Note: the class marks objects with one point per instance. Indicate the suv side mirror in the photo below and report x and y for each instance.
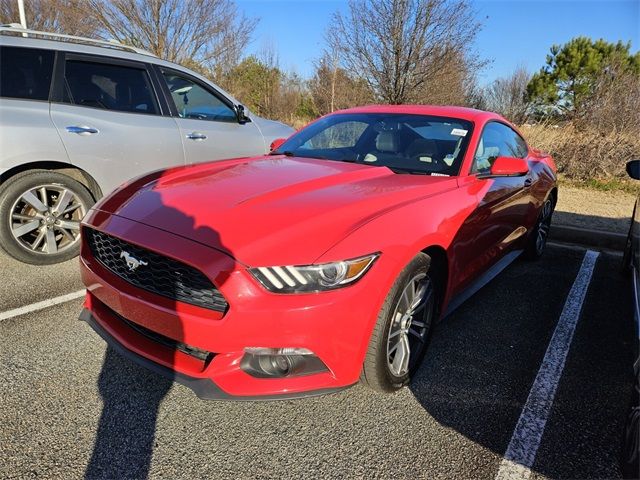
(276, 144)
(242, 116)
(633, 169)
(507, 167)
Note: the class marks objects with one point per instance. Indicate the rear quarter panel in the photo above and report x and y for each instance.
(27, 134)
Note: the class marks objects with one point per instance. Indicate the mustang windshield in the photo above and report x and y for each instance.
(419, 144)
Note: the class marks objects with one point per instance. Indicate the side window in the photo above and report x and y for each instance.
(192, 100)
(108, 86)
(25, 73)
(522, 148)
(340, 135)
(497, 140)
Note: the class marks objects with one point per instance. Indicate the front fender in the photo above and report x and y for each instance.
(401, 234)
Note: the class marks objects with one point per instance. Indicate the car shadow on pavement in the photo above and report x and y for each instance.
(483, 359)
(131, 394)
(618, 225)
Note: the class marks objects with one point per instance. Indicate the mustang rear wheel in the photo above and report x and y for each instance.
(399, 339)
(538, 239)
(40, 213)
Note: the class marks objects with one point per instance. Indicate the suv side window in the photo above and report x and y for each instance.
(497, 140)
(109, 86)
(193, 100)
(25, 73)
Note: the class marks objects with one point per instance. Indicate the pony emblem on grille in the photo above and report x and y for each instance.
(132, 262)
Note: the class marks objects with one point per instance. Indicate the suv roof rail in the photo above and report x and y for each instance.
(16, 28)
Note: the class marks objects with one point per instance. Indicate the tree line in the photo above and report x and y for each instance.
(382, 51)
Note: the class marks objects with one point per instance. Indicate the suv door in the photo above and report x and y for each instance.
(207, 121)
(26, 132)
(111, 120)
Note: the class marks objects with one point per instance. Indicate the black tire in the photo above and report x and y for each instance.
(535, 245)
(625, 266)
(12, 205)
(376, 371)
(627, 257)
(630, 452)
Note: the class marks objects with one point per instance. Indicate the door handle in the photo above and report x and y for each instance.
(82, 130)
(528, 182)
(196, 136)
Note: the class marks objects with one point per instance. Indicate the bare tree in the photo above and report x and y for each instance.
(406, 49)
(332, 88)
(59, 16)
(205, 34)
(614, 105)
(507, 96)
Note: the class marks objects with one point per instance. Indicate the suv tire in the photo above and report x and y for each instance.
(40, 213)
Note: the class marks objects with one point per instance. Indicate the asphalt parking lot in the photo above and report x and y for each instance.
(69, 408)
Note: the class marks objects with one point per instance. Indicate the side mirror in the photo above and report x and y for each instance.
(507, 167)
(633, 169)
(242, 116)
(276, 144)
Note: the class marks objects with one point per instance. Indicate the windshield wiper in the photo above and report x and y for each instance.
(319, 157)
(286, 153)
(406, 170)
(289, 153)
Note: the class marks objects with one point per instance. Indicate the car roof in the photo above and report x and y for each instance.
(116, 50)
(463, 113)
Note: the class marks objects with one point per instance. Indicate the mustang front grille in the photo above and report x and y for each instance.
(154, 272)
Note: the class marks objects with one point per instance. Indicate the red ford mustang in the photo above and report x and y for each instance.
(324, 263)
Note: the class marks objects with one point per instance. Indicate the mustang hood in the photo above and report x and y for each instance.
(254, 209)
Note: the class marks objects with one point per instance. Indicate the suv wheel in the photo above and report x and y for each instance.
(40, 213)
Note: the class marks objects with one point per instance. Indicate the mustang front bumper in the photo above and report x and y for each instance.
(206, 349)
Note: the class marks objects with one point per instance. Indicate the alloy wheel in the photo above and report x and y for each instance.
(410, 324)
(544, 225)
(46, 219)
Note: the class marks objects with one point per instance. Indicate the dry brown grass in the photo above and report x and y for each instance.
(298, 122)
(585, 155)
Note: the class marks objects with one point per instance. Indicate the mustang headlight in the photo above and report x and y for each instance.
(313, 278)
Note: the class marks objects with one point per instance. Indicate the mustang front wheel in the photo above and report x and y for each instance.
(399, 339)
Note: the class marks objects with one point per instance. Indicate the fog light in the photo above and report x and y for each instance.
(280, 362)
(276, 365)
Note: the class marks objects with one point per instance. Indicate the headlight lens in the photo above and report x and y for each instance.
(313, 278)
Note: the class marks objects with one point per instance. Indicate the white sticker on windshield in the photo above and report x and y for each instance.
(459, 132)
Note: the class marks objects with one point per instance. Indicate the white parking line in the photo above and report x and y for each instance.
(522, 449)
(40, 305)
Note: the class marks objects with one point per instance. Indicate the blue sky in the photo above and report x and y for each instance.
(514, 32)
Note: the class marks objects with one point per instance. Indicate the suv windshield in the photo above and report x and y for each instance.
(419, 144)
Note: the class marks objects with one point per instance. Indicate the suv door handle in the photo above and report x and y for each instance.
(196, 136)
(528, 181)
(82, 130)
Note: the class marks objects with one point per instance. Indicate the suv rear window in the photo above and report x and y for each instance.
(25, 73)
(112, 87)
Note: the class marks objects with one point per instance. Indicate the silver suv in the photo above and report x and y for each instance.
(78, 117)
